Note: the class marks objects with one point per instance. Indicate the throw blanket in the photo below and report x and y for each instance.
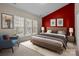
(63, 37)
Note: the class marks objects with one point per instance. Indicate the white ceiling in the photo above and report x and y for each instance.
(39, 9)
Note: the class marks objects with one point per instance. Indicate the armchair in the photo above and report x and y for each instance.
(5, 44)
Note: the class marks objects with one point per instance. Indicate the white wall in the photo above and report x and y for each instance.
(77, 23)
(39, 25)
(77, 26)
(6, 8)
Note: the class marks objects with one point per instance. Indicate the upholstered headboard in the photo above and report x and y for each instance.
(57, 29)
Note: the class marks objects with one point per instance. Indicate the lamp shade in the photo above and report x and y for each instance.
(42, 28)
(70, 29)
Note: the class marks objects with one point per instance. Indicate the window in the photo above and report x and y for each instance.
(25, 26)
(19, 25)
(28, 27)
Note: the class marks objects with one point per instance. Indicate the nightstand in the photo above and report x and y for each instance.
(71, 38)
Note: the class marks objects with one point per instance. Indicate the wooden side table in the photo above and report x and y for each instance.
(71, 38)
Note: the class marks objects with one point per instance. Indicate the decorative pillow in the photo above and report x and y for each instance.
(54, 31)
(6, 37)
(49, 31)
(61, 32)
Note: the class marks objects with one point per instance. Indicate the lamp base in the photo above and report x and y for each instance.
(71, 34)
(42, 31)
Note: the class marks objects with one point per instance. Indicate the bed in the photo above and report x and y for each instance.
(52, 41)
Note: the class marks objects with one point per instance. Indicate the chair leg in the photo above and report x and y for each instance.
(12, 50)
(18, 44)
(0, 49)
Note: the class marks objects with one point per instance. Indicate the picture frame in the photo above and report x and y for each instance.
(53, 22)
(7, 21)
(59, 21)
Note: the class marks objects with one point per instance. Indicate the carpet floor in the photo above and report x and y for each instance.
(19, 51)
(24, 50)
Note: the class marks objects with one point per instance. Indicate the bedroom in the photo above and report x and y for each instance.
(32, 19)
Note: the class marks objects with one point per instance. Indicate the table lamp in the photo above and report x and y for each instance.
(42, 28)
(71, 31)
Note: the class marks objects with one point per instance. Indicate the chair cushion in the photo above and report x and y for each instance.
(14, 41)
(6, 37)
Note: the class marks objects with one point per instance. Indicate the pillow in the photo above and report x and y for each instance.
(6, 37)
(49, 31)
(61, 32)
(54, 31)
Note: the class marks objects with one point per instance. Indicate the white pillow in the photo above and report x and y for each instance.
(49, 31)
(61, 32)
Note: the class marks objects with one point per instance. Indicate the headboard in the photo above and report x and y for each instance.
(57, 29)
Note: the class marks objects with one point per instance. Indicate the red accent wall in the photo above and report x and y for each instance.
(67, 13)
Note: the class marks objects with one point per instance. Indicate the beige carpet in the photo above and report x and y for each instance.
(70, 51)
(19, 51)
